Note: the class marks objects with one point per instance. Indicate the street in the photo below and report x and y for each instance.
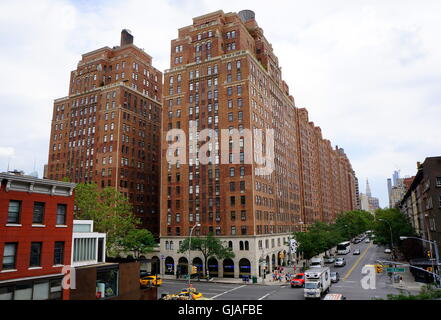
(349, 284)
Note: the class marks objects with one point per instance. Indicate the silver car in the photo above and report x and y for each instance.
(340, 262)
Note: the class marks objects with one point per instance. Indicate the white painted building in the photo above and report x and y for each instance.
(88, 247)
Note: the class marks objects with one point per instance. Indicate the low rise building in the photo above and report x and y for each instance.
(36, 220)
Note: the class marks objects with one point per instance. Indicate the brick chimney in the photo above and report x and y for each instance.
(126, 37)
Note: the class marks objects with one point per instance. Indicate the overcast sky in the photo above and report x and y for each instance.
(367, 71)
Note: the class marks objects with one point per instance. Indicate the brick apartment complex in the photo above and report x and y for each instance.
(36, 218)
(422, 201)
(107, 130)
(224, 75)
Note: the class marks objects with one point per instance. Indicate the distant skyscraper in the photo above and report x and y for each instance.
(368, 189)
(395, 177)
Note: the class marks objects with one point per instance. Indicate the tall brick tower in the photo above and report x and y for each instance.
(107, 130)
(224, 76)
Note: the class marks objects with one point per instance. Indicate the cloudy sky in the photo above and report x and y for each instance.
(367, 71)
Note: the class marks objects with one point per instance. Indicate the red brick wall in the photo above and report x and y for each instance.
(26, 234)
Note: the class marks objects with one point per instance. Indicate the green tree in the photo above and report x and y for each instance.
(138, 241)
(110, 210)
(391, 219)
(353, 223)
(428, 292)
(209, 246)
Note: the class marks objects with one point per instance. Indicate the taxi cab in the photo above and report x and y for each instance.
(148, 280)
(191, 293)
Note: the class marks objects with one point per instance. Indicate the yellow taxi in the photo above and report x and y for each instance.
(191, 293)
(150, 280)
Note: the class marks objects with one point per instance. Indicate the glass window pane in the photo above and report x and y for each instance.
(23, 292)
(6, 293)
(41, 291)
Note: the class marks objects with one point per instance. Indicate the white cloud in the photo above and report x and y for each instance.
(367, 71)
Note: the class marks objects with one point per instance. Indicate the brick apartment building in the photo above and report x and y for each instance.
(224, 75)
(422, 201)
(36, 218)
(107, 130)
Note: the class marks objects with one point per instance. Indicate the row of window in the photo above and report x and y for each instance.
(10, 255)
(38, 217)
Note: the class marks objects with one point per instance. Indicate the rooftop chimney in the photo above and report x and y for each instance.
(126, 37)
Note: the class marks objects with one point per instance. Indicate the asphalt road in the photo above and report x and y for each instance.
(349, 285)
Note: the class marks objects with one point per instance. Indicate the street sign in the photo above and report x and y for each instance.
(401, 270)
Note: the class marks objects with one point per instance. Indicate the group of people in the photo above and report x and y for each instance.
(280, 275)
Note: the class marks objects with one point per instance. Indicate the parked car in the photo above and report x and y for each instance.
(367, 241)
(356, 252)
(335, 277)
(329, 260)
(298, 281)
(340, 262)
(387, 250)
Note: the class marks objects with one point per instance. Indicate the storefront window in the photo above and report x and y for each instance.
(107, 284)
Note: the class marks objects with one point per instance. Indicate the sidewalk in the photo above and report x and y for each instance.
(408, 281)
(267, 282)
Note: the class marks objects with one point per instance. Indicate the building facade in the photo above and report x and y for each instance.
(107, 130)
(36, 218)
(422, 201)
(265, 171)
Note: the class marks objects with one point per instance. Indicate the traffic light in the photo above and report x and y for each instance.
(194, 269)
(429, 254)
(378, 268)
(430, 269)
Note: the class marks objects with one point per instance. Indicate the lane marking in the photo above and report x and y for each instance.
(357, 262)
(228, 291)
(263, 297)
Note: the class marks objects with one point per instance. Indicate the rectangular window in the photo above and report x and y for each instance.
(438, 181)
(61, 214)
(59, 253)
(9, 256)
(38, 216)
(14, 211)
(35, 258)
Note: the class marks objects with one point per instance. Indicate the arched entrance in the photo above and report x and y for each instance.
(213, 267)
(155, 268)
(169, 266)
(228, 268)
(273, 262)
(182, 266)
(197, 262)
(244, 268)
(279, 258)
(267, 267)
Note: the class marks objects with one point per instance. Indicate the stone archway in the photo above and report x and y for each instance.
(182, 266)
(155, 265)
(213, 267)
(273, 262)
(228, 268)
(169, 266)
(244, 268)
(197, 262)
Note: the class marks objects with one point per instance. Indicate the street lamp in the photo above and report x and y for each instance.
(391, 238)
(435, 245)
(189, 250)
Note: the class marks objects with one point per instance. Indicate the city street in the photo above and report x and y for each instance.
(349, 284)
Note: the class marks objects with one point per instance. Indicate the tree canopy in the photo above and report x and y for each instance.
(112, 214)
(321, 236)
(387, 219)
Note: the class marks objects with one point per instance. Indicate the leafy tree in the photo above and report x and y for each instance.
(138, 241)
(391, 219)
(109, 209)
(209, 246)
(321, 236)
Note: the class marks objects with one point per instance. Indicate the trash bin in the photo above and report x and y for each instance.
(254, 279)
